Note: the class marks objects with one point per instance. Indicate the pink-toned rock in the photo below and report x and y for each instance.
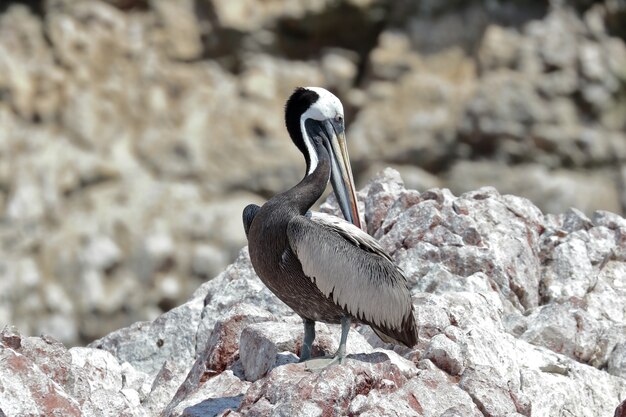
(48, 354)
(380, 197)
(445, 354)
(221, 351)
(487, 277)
(219, 394)
(43, 378)
(223, 346)
(237, 284)
(430, 393)
(26, 390)
(260, 344)
(292, 390)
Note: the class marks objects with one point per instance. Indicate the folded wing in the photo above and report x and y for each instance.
(352, 269)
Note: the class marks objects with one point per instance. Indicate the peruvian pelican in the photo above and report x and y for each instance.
(323, 267)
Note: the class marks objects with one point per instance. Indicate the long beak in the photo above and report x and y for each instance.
(341, 173)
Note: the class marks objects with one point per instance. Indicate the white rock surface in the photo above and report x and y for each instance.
(134, 132)
(122, 121)
(494, 340)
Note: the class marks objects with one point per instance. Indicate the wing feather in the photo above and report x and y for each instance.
(350, 232)
(350, 267)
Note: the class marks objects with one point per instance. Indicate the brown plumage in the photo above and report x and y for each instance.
(323, 267)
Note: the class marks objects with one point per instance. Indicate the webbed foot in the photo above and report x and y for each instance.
(321, 363)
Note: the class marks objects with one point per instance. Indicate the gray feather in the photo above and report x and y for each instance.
(337, 257)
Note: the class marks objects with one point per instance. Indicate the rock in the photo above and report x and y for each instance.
(439, 222)
(574, 220)
(119, 197)
(26, 389)
(182, 30)
(569, 262)
(487, 277)
(250, 15)
(331, 390)
(104, 392)
(218, 394)
(164, 387)
(608, 219)
(617, 360)
(238, 284)
(392, 57)
(261, 343)
(491, 395)
(379, 199)
(222, 347)
(117, 185)
(499, 48)
(553, 191)
(158, 253)
(134, 380)
(146, 346)
(340, 68)
(461, 330)
(131, 167)
(444, 399)
(101, 254)
(410, 119)
(531, 118)
(108, 370)
(42, 377)
(445, 354)
(219, 353)
(622, 182)
(556, 56)
(414, 178)
(207, 261)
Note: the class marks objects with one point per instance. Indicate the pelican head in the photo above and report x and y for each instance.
(314, 117)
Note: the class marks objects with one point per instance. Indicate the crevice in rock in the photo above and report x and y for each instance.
(37, 7)
(218, 42)
(615, 19)
(478, 403)
(304, 38)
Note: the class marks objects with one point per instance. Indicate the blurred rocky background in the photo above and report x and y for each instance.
(133, 132)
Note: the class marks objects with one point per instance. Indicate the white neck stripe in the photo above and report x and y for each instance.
(313, 160)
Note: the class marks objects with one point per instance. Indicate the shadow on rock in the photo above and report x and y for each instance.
(214, 406)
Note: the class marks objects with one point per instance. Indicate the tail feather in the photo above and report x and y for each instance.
(407, 336)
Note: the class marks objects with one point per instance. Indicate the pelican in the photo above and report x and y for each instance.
(325, 268)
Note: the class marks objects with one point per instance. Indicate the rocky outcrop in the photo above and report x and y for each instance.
(42, 377)
(537, 111)
(135, 131)
(519, 314)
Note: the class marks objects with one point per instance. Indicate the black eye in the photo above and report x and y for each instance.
(339, 118)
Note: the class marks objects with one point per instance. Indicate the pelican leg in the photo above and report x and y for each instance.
(307, 342)
(319, 364)
(345, 329)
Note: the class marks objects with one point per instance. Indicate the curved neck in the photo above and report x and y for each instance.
(312, 186)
